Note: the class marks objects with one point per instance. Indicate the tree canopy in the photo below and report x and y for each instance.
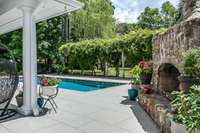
(153, 18)
(95, 20)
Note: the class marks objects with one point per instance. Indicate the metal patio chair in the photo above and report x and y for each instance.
(8, 82)
(48, 94)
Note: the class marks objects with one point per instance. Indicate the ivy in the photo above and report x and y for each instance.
(87, 54)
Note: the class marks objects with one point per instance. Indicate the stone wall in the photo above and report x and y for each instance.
(190, 10)
(158, 107)
(167, 47)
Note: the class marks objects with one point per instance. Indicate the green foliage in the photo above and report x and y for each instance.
(150, 18)
(191, 62)
(95, 20)
(125, 28)
(49, 39)
(136, 71)
(88, 53)
(53, 81)
(153, 18)
(169, 14)
(14, 42)
(188, 108)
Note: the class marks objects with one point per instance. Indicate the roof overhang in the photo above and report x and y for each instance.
(11, 16)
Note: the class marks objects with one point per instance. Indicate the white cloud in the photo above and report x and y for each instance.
(128, 10)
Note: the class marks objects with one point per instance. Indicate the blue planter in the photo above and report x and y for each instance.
(132, 94)
(40, 102)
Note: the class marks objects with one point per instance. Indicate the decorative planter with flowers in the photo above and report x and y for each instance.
(191, 69)
(49, 84)
(142, 75)
(146, 72)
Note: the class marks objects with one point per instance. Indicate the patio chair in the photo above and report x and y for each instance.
(48, 94)
(8, 82)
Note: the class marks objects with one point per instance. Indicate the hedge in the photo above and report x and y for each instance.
(87, 54)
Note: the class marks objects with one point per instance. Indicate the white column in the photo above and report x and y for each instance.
(29, 64)
(33, 75)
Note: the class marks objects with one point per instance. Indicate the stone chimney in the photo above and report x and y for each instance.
(190, 9)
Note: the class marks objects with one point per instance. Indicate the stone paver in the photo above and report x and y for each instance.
(99, 111)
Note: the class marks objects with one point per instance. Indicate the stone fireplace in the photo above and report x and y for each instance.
(167, 49)
(168, 46)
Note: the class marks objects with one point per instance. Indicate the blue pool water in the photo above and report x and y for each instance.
(85, 86)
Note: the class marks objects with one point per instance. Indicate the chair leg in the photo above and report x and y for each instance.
(52, 106)
(43, 106)
(54, 103)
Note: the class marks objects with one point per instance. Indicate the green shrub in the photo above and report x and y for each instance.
(191, 62)
(136, 71)
(187, 108)
(87, 54)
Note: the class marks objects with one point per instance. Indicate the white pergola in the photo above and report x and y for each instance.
(15, 14)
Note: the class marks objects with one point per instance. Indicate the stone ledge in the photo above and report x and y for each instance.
(158, 107)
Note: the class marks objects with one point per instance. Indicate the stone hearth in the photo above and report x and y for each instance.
(158, 107)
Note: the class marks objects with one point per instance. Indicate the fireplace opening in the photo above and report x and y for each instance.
(168, 78)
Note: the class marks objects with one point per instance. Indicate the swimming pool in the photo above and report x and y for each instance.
(85, 86)
(82, 85)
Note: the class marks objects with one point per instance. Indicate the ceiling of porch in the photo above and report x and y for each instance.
(11, 16)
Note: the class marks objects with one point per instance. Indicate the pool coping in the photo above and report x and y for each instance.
(97, 79)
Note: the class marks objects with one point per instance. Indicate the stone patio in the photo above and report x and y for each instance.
(102, 111)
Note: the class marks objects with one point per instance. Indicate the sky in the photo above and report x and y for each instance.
(129, 10)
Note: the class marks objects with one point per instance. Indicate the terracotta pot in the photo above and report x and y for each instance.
(186, 82)
(146, 89)
(145, 78)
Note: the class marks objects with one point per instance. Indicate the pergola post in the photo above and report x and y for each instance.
(29, 63)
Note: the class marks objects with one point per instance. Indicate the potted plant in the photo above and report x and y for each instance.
(191, 69)
(146, 72)
(19, 99)
(48, 83)
(186, 111)
(135, 81)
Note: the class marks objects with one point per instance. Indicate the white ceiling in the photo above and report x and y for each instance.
(12, 19)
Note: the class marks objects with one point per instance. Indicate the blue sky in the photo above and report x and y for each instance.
(128, 10)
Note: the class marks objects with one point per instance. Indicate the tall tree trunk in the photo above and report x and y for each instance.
(123, 64)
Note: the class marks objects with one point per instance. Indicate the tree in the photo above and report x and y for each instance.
(49, 37)
(125, 28)
(169, 14)
(150, 18)
(153, 18)
(95, 20)
(13, 41)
